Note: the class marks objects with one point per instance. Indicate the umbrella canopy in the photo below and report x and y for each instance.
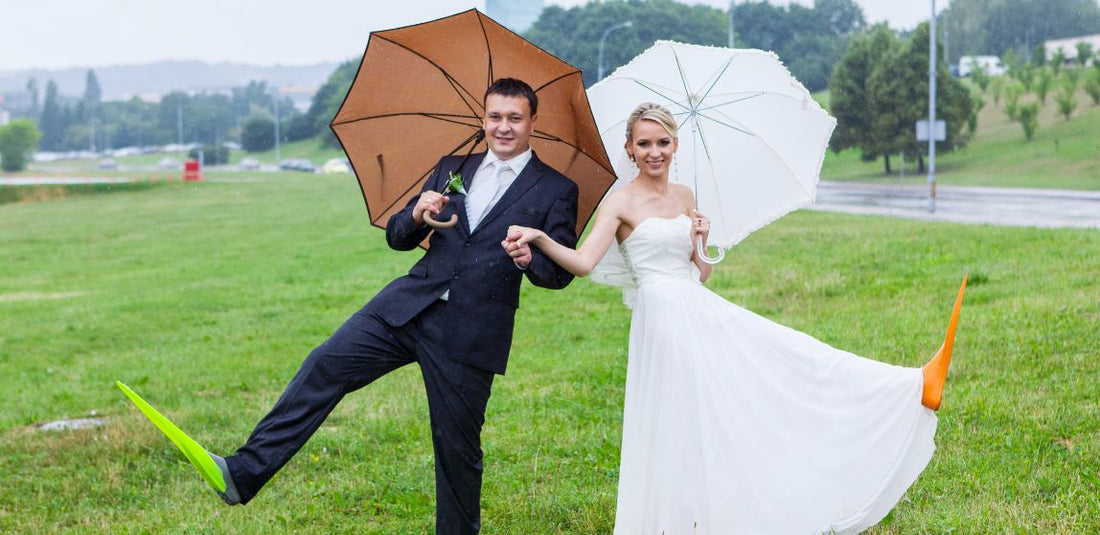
(751, 138)
(418, 96)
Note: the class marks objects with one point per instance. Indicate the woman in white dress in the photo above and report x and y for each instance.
(733, 423)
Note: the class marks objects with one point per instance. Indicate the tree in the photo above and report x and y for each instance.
(93, 94)
(898, 89)
(964, 21)
(1028, 117)
(574, 34)
(1084, 52)
(18, 141)
(258, 133)
(1012, 101)
(1019, 24)
(849, 100)
(1092, 86)
(1066, 98)
(1043, 82)
(52, 121)
(328, 99)
(254, 95)
(32, 88)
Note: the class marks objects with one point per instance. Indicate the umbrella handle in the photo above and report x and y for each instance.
(440, 224)
(702, 250)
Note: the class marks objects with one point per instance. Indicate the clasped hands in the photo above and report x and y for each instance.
(517, 244)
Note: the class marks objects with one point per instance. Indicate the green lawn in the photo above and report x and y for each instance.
(1064, 154)
(205, 297)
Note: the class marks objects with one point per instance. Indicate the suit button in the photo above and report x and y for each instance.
(467, 244)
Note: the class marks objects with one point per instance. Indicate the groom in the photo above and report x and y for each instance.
(452, 314)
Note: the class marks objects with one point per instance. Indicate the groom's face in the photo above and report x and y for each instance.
(508, 125)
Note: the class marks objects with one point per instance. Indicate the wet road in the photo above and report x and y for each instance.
(979, 205)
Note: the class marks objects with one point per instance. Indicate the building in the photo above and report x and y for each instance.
(1069, 47)
(516, 15)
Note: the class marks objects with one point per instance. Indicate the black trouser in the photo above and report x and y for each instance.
(360, 351)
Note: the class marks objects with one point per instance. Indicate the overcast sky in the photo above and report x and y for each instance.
(57, 34)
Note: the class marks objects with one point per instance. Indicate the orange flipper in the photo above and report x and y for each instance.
(935, 372)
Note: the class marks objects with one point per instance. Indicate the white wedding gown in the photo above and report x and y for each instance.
(735, 424)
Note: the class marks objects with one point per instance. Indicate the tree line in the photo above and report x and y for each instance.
(245, 114)
(810, 40)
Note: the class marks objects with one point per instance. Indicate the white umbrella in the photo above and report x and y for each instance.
(751, 138)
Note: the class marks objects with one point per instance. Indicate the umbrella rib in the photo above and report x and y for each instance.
(401, 198)
(538, 134)
(779, 157)
(710, 163)
(488, 50)
(558, 79)
(727, 125)
(660, 94)
(448, 117)
(683, 77)
(454, 83)
(717, 77)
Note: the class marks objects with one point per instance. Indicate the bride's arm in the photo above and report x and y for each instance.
(581, 260)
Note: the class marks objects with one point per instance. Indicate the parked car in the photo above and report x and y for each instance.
(169, 164)
(335, 166)
(107, 163)
(297, 164)
(249, 164)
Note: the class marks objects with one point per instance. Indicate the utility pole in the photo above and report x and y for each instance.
(275, 99)
(932, 112)
(179, 124)
(732, 35)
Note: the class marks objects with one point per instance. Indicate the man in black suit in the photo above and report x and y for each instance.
(452, 313)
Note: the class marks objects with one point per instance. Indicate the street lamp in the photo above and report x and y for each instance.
(624, 24)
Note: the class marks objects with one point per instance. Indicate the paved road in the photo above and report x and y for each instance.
(995, 206)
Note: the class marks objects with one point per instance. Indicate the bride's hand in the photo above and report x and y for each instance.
(700, 225)
(518, 235)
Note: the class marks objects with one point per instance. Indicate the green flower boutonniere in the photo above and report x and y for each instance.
(455, 184)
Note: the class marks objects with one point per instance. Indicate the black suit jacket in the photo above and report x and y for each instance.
(483, 281)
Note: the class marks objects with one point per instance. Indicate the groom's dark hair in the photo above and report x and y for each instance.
(512, 87)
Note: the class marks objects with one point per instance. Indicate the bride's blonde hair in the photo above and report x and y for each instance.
(650, 111)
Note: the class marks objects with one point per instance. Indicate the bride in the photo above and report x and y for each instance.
(733, 423)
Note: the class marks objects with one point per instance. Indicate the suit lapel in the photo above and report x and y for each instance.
(520, 185)
(458, 200)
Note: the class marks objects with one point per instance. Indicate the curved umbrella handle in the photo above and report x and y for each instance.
(702, 250)
(440, 224)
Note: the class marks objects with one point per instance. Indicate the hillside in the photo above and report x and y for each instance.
(1064, 154)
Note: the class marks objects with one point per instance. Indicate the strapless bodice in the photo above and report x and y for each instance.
(659, 249)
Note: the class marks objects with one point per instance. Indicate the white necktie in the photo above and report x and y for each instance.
(485, 194)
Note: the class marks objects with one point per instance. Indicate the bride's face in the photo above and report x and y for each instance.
(652, 148)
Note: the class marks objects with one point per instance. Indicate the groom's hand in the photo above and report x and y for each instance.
(519, 251)
(429, 201)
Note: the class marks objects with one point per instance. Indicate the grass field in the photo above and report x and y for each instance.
(205, 297)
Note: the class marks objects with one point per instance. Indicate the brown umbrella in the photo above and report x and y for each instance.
(418, 96)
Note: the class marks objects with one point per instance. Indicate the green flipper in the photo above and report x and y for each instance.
(195, 453)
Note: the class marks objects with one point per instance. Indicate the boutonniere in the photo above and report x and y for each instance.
(455, 184)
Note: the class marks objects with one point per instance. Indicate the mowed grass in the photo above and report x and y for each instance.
(1063, 154)
(206, 297)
